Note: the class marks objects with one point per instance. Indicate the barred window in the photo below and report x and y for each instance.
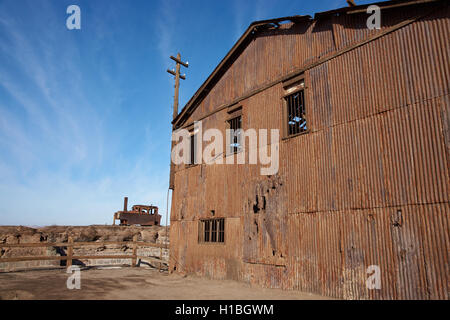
(212, 230)
(295, 104)
(235, 126)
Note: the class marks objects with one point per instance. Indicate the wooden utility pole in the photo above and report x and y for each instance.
(178, 76)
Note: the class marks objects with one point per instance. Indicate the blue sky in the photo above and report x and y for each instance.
(85, 114)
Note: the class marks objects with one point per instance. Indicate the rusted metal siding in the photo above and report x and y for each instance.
(268, 57)
(212, 260)
(336, 248)
(274, 53)
(367, 185)
(391, 158)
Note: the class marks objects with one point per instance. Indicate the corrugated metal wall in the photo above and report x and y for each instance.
(367, 185)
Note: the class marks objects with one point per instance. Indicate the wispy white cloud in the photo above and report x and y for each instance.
(240, 24)
(246, 12)
(53, 137)
(260, 7)
(166, 28)
(16, 142)
(63, 112)
(52, 198)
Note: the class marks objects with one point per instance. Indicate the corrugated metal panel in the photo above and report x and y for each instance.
(332, 251)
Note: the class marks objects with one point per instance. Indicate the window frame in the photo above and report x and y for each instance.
(234, 150)
(192, 134)
(234, 111)
(192, 151)
(219, 234)
(292, 87)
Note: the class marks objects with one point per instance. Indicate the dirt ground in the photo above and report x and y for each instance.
(132, 283)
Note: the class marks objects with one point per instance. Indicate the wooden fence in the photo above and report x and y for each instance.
(70, 244)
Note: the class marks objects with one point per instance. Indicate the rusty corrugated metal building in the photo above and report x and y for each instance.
(366, 184)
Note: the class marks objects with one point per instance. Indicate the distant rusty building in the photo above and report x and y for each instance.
(142, 215)
(364, 157)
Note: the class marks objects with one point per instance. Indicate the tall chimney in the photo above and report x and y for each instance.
(125, 204)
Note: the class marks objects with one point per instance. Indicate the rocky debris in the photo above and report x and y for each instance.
(60, 234)
(12, 234)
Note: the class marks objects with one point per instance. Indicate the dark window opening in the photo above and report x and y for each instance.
(235, 126)
(212, 230)
(192, 147)
(296, 113)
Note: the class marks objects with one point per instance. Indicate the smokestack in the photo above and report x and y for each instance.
(125, 204)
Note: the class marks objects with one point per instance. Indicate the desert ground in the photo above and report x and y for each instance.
(43, 280)
(132, 283)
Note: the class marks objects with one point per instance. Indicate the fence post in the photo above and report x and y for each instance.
(160, 257)
(133, 260)
(69, 252)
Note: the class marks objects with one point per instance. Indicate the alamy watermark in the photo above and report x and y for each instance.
(374, 21)
(260, 149)
(74, 280)
(74, 20)
(374, 280)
